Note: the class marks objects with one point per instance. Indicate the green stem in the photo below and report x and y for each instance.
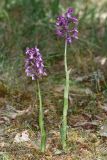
(41, 121)
(65, 108)
(65, 58)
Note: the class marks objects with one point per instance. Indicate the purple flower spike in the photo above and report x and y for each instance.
(34, 66)
(66, 26)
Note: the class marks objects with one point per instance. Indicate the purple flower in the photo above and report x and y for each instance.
(69, 12)
(66, 26)
(34, 66)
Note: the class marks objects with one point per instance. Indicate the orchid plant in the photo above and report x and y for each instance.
(66, 27)
(34, 68)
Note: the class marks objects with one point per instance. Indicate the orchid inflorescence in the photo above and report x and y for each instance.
(34, 66)
(66, 26)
